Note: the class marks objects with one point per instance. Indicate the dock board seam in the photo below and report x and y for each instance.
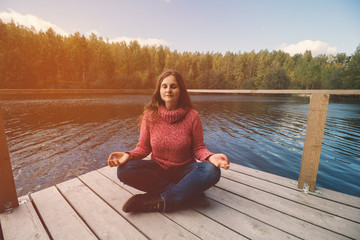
(242, 205)
(194, 233)
(296, 189)
(213, 219)
(265, 223)
(1, 232)
(297, 202)
(311, 223)
(181, 226)
(79, 215)
(117, 183)
(40, 217)
(104, 200)
(277, 210)
(266, 180)
(274, 209)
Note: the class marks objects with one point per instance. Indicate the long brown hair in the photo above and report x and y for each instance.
(156, 101)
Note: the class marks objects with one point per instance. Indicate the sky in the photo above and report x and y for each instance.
(218, 26)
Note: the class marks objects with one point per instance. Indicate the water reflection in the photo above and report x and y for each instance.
(55, 138)
(260, 132)
(52, 140)
(267, 133)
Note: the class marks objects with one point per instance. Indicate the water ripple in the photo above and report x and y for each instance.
(52, 139)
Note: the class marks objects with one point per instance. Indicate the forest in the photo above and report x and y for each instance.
(47, 60)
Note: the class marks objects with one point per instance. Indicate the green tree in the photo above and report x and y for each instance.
(352, 80)
(276, 79)
(31, 59)
(249, 84)
(212, 80)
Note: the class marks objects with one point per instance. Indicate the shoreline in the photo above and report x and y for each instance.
(199, 91)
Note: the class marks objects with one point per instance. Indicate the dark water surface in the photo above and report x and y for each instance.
(55, 138)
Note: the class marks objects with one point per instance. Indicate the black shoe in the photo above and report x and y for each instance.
(144, 203)
(132, 203)
(200, 200)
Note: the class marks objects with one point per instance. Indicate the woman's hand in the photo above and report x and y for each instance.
(118, 158)
(220, 160)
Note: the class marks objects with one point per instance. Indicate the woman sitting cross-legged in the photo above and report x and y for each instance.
(172, 131)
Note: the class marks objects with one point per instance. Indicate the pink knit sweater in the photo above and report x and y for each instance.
(175, 139)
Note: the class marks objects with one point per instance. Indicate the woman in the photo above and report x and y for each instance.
(172, 131)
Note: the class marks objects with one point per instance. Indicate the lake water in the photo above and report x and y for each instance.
(55, 138)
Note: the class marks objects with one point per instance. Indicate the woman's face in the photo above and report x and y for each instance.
(170, 92)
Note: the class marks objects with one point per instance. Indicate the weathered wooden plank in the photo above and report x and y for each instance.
(250, 228)
(313, 140)
(286, 223)
(152, 225)
(326, 205)
(202, 226)
(195, 222)
(241, 223)
(7, 185)
(287, 182)
(314, 216)
(104, 221)
(277, 91)
(23, 223)
(286, 206)
(240, 211)
(110, 172)
(60, 219)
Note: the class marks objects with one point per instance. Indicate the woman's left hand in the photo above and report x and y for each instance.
(220, 160)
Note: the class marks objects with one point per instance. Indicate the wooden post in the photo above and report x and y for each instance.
(7, 184)
(313, 140)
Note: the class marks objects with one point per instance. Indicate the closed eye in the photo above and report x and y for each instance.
(172, 86)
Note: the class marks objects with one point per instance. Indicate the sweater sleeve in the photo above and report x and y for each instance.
(143, 148)
(200, 151)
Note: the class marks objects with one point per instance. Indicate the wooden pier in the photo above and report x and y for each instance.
(245, 204)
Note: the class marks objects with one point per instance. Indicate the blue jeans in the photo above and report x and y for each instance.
(176, 186)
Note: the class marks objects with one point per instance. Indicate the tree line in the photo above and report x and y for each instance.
(31, 59)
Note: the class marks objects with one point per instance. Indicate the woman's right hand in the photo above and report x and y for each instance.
(118, 158)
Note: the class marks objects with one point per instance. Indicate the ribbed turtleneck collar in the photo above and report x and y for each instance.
(172, 116)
